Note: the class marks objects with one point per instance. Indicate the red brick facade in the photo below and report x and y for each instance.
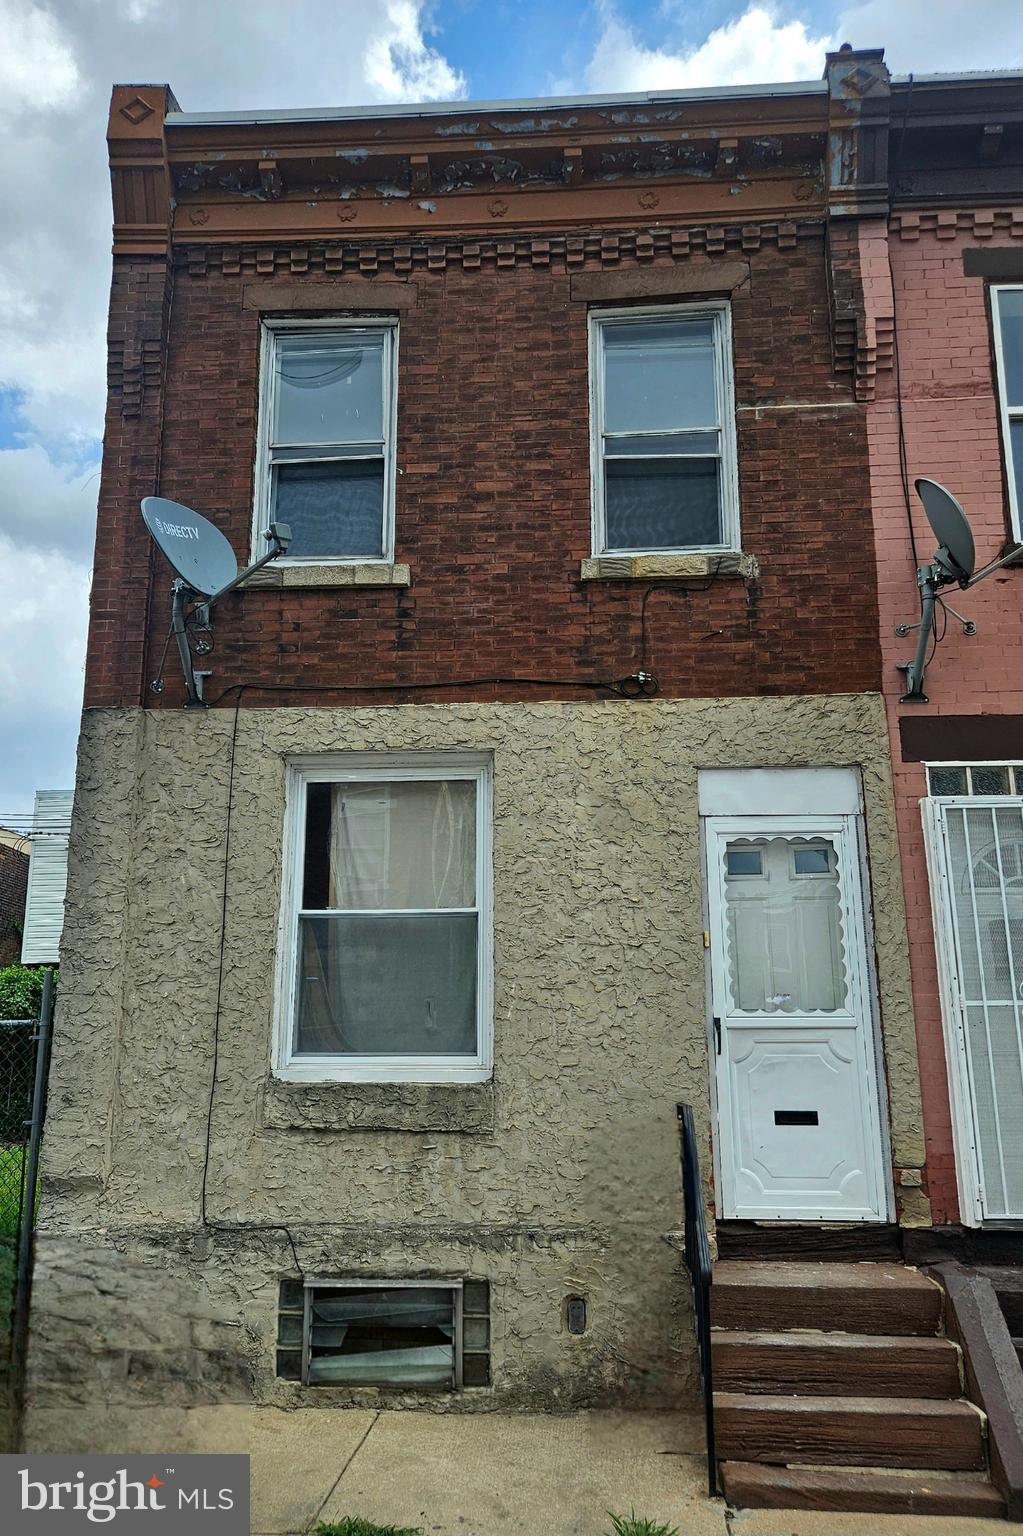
(493, 499)
(13, 889)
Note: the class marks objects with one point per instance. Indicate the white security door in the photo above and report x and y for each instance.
(976, 851)
(798, 1119)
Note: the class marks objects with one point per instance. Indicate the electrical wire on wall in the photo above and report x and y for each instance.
(640, 684)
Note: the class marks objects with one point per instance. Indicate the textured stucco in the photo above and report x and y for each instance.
(559, 1178)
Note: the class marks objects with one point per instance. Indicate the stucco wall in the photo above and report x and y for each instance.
(561, 1179)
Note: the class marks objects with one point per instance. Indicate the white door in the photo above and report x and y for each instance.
(799, 1133)
(976, 853)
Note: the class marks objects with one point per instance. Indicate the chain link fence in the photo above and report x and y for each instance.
(18, 1046)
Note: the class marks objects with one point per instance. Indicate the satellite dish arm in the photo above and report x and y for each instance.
(1015, 553)
(279, 536)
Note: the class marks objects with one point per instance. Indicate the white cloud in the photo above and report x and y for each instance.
(933, 36)
(57, 64)
(36, 66)
(43, 507)
(765, 43)
(400, 65)
(757, 46)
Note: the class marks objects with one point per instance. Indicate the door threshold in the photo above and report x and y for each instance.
(839, 1242)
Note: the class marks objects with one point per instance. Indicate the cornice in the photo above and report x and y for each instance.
(949, 223)
(566, 251)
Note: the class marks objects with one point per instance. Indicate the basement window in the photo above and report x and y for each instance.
(325, 457)
(662, 423)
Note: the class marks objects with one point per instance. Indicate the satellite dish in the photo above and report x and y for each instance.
(951, 529)
(207, 569)
(196, 549)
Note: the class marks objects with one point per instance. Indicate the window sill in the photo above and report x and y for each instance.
(660, 567)
(352, 574)
(460, 1107)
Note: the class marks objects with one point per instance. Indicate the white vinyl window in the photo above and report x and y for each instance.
(662, 424)
(1007, 307)
(325, 450)
(385, 967)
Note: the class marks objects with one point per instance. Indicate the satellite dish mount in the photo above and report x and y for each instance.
(953, 561)
(206, 570)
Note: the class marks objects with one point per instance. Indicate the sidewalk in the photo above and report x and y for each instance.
(484, 1474)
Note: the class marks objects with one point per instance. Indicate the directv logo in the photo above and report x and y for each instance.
(177, 530)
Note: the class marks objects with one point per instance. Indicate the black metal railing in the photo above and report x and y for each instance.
(696, 1255)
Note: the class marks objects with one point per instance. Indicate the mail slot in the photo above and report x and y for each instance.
(796, 1117)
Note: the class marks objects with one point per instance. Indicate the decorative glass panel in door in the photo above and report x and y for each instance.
(799, 1133)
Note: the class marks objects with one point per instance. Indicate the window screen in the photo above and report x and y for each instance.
(662, 446)
(328, 403)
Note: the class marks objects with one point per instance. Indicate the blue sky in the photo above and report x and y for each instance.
(57, 63)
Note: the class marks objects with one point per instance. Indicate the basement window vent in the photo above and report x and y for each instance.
(413, 1334)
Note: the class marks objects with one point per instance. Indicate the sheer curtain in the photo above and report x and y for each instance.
(393, 972)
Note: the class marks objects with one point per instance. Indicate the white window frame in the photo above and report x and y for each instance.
(382, 767)
(1007, 413)
(271, 329)
(720, 312)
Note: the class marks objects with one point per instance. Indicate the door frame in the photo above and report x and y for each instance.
(969, 1182)
(851, 831)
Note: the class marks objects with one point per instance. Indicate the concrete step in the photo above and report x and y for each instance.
(853, 1431)
(855, 1298)
(862, 1365)
(750, 1485)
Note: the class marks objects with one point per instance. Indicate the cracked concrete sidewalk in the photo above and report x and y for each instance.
(484, 1474)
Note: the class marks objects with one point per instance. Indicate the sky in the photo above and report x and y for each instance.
(57, 64)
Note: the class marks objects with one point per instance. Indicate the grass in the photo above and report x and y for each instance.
(633, 1525)
(354, 1525)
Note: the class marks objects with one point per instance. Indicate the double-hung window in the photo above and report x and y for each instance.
(326, 438)
(385, 933)
(1007, 305)
(663, 431)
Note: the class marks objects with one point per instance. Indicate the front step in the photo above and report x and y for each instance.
(855, 1431)
(831, 1363)
(858, 1298)
(749, 1485)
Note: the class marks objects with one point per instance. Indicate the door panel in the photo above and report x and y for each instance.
(799, 1123)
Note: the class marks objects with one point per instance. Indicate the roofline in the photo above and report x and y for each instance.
(559, 103)
(523, 104)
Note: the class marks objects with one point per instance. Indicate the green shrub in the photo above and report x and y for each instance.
(354, 1525)
(632, 1525)
(21, 991)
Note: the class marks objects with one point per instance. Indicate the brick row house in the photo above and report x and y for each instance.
(543, 785)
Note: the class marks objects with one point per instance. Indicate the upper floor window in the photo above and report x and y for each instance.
(326, 438)
(385, 960)
(662, 427)
(1007, 305)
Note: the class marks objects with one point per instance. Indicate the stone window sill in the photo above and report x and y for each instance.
(460, 1107)
(356, 574)
(660, 567)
